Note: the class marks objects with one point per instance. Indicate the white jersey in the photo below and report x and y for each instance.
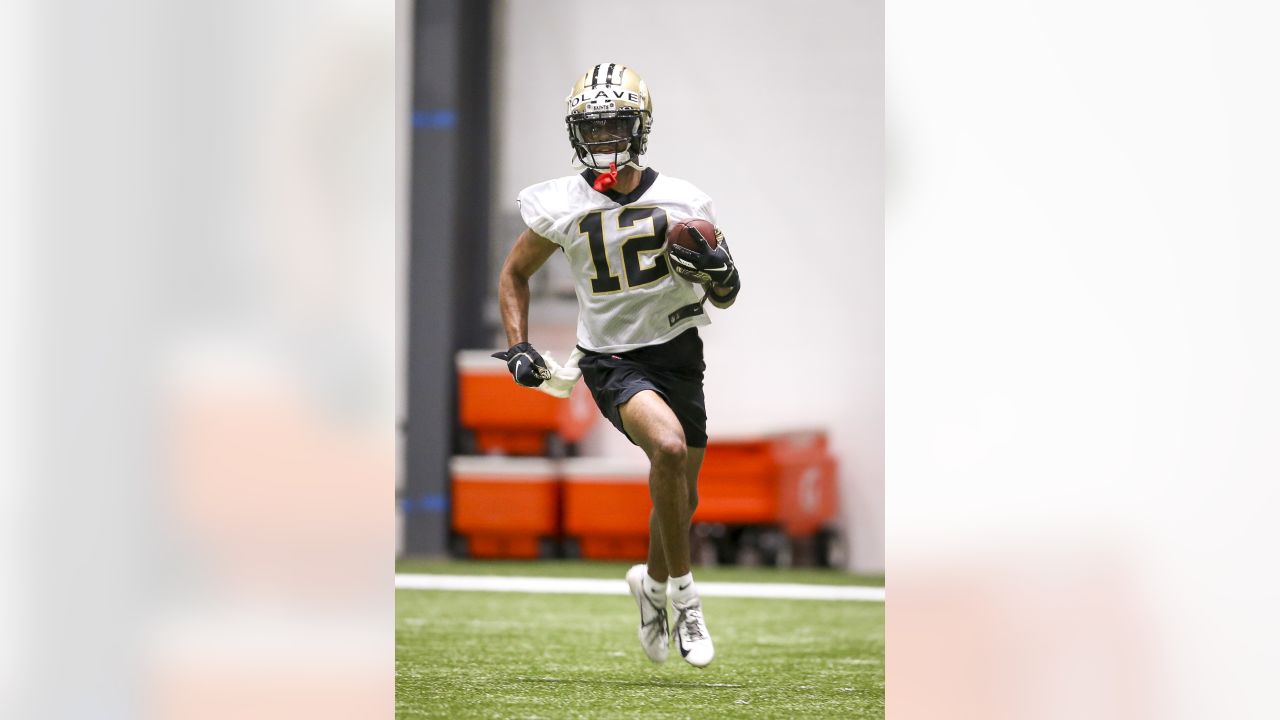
(627, 295)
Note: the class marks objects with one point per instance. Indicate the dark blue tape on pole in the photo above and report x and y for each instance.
(434, 503)
(434, 119)
(427, 503)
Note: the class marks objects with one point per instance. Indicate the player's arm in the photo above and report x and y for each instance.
(526, 257)
(713, 267)
(722, 296)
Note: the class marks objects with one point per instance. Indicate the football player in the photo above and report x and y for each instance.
(639, 309)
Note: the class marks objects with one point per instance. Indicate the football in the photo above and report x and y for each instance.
(677, 235)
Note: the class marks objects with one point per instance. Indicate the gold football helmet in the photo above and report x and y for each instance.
(610, 113)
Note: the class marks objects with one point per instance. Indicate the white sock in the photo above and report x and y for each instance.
(653, 588)
(682, 588)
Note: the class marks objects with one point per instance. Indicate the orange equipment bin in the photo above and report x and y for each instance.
(606, 507)
(508, 418)
(506, 507)
(783, 478)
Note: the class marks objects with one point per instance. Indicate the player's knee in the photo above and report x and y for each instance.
(669, 449)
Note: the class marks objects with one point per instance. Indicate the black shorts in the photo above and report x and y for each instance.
(673, 370)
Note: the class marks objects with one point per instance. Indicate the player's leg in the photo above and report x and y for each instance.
(655, 428)
(657, 561)
(652, 425)
(691, 632)
(648, 582)
(692, 466)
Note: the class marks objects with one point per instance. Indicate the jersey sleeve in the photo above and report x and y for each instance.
(538, 213)
(704, 208)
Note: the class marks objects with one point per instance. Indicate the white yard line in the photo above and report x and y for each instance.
(587, 586)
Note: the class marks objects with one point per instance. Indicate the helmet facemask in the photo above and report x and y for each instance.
(602, 138)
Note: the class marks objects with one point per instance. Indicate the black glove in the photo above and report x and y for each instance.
(724, 301)
(706, 265)
(525, 364)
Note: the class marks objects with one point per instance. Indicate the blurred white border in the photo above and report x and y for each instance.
(16, 228)
(1083, 247)
(198, 282)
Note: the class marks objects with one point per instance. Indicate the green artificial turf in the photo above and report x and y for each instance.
(616, 570)
(521, 655)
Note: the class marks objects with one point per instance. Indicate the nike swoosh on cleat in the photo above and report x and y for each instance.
(683, 586)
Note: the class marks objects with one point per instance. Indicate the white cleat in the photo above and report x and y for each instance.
(654, 636)
(691, 634)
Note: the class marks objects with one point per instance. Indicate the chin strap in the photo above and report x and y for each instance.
(606, 180)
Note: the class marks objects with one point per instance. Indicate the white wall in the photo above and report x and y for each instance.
(778, 115)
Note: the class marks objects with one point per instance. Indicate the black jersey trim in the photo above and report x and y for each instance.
(688, 311)
(647, 178)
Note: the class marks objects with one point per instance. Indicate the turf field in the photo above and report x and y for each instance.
(522, 655)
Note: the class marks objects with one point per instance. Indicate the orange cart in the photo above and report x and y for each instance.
(503, 417)
(766, 494)
(606, 508)
(505, 507)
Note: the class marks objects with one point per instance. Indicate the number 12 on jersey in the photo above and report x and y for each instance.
(606, 281)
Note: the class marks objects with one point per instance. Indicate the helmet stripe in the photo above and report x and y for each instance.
(595, 76)
(608, 78)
